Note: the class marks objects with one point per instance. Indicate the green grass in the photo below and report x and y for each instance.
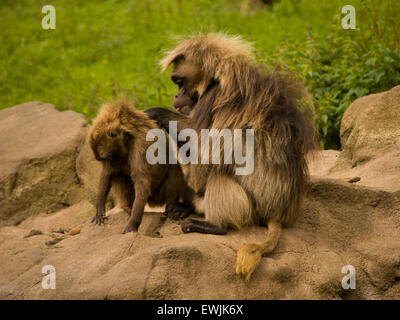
(101, 48)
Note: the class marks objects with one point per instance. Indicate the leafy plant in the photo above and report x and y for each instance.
(343, 66)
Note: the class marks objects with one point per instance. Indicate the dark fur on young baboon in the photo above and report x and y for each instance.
(219, 80)
(118, 140)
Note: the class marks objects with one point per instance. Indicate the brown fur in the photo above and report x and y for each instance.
(118, 140)
(236, 93)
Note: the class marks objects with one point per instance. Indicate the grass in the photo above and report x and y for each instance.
(101, 48)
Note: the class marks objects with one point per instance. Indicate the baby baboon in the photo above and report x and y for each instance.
(219, 80)
(118, 140)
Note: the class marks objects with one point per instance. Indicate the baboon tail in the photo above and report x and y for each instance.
(274, 233)
(249, 256)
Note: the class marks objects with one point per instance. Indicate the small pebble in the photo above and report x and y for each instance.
(60, 230)
(156, 235)
(54, 241)
(75, 230)
(33, 233)
(355, 179)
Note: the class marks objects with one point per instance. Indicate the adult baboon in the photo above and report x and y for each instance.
(118, 140)
(218, 78)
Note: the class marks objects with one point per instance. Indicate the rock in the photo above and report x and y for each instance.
(54, 241)
(370, 126)
(322, 162)
(102, 263)
(74, 231)
(33, 232)
(354, 180)
(88, 170)
(38, 148)
(62, 221)
(340, 224)
(370, 137)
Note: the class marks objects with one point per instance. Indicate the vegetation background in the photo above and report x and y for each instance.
(101, 48)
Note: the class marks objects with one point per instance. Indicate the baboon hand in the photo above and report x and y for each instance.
(162, 116)
(99, 218)
(248, 259)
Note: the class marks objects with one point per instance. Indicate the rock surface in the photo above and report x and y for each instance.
(341, 224)
(370, 137)
(88, 170)
(38, 148)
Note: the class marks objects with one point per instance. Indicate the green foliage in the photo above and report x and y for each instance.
(343, 66)
(101, 48)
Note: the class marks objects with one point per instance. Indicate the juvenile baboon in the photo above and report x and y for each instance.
(219, 80)
(118, 140)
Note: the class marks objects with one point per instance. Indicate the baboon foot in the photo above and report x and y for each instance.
(248, 259)
(178, 210)
(99, 219)
(191, 225)
(130, 228)
(127, 209)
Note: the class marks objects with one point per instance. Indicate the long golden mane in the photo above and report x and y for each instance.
(121, 113)
(224, 58)
(248, 95)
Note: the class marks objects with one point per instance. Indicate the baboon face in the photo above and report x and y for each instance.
(110, 146)
(190, 80)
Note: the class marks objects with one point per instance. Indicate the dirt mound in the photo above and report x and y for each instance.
(341, 224)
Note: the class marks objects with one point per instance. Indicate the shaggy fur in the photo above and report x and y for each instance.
(236, 93)
(118, 140)
(247, 97)
(116, 117)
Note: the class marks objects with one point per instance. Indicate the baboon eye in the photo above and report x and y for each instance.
(177, 80)
(128, 135)
(113, 133)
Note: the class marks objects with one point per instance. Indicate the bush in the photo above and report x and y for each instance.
(344, 66)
